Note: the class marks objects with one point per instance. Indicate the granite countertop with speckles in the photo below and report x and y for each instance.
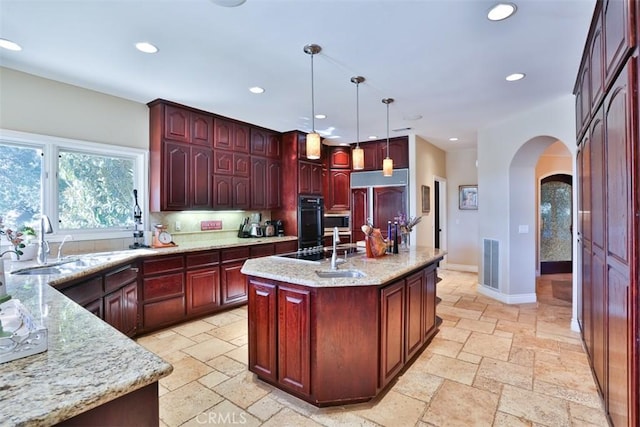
(377, 271)
(87, 363)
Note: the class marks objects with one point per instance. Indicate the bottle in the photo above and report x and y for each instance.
(389, 238)
(396, 236)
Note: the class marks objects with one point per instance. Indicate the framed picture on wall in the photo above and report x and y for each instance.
(468, 197)
(426, 199)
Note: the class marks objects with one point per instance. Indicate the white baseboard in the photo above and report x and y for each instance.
(459, 267)
(575, 326)
(507, 299)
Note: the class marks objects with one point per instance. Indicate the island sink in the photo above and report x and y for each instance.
(331, 274)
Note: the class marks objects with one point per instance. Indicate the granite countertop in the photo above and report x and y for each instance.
(378, 271)
(88, 363)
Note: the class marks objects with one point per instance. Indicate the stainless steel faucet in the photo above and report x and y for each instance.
(334, 254)
(43, 248)
(67, 237)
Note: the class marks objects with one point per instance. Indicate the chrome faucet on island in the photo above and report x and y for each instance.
(334, 254)
(43, 247)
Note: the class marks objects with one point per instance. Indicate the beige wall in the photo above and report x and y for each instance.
(41, 106)
(426, 161)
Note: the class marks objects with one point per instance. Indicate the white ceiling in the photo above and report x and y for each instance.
(440, 59)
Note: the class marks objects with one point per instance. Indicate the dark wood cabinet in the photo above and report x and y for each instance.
(309, 178)
(230, 163)
(202, 282)
(359, 212)
(263, 328)
(231, 192)
(163, 291)
(286, 247)
(185, 125)
(608, 232)
(392, 331)
(294, 339)
(265, 144)
(376, 151)
(337, 345)
(232, 282)
(339, 195)
(111, 296)
(231, 135)
(265, 183)
(339, 158)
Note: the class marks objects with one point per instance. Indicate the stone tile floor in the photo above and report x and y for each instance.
(491, 364)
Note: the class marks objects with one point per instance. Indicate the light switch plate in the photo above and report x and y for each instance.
(523, 229)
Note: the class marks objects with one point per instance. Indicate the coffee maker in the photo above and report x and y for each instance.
(279, 225)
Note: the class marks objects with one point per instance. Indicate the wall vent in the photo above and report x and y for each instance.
(490, 255)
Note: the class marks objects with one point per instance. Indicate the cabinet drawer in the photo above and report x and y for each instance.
(120, 277)
(163, 286)
(235, 253)
(163, 264)
(203, 259)
(261, 250)
(288, 246)
(85, 292)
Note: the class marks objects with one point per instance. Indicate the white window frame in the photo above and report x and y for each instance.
(51, 146)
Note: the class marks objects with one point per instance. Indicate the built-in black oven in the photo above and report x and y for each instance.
(310, 221)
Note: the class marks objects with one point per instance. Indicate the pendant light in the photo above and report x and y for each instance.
(313, 139)
(387, 163)
(357, 153)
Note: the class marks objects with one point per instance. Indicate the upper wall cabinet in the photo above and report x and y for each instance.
(265, 143)
(618, 37)
(230, 135)
(338, 157)
(376, 151)
(187, 126)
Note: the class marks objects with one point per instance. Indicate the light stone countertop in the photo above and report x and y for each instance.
(378, 271)
(88, 363)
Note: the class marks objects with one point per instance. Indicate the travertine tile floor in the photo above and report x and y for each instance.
(491, 364)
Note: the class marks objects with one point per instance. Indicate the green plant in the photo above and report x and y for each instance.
(14, 237)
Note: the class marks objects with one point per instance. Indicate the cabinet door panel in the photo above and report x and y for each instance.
(398, 151)
(176, 182)
(223, 192)
(203, 290)
(262, 329)
(113, 309)
(233, 283)
(392, 332)
(359, 212)
(617, 36)
(618, 374)
(339, 190)
(372, 156)
(241, 164)
(596, 69)
(130, 309)
(163, 286)
(202, 129)
(340, 158)
(223, 134)
(294, 344)
(258, 182)
(177, 124)
(241, 141)
(202, 178)
(163, 312)
(414, 321)
(429, 307)
(223, 162)
(258, 142)
(597, 181)
(241, 193)
(274, 187)
(273, 146)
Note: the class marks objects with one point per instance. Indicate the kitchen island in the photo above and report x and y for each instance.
(334, 341)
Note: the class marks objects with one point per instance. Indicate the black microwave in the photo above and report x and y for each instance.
(335, 220)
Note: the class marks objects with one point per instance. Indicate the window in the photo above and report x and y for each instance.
(85, 188)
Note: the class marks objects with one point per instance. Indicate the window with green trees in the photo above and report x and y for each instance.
(81, 186)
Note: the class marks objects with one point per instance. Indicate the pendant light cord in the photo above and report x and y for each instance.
(387, 130)
(313, 111)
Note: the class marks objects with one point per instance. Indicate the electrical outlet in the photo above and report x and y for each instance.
(178, 226)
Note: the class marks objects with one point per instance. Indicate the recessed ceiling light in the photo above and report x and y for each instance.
(320, 116)
(515, 77)
(9, 45)
(501, 11)
(146, 47)
(373, 137)
(256, 89)
(453, 139)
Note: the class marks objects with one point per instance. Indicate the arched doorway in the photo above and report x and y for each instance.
(556, 225)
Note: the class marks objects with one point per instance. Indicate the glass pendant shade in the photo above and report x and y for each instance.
(313, 146)
(387, 167)
(358, 158)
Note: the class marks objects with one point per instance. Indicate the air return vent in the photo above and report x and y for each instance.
(490, 255)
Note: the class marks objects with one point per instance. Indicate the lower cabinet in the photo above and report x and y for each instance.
(232, 281)
(163, 291)
(203, 282)
(338, 345)
(112, 296)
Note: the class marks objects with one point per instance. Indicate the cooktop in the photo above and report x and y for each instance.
(318, 253)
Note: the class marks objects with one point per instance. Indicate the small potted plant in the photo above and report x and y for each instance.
(30, 249)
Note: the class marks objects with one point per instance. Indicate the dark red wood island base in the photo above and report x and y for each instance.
(335, 345)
